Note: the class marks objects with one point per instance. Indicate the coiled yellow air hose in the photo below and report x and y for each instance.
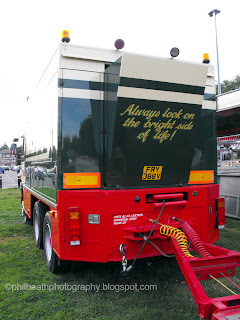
(177, 234)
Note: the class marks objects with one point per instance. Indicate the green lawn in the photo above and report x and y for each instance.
(29, 291)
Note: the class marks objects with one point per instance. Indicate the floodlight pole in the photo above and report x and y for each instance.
(215, 12)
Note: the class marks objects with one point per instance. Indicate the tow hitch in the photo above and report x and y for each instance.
(124, 260)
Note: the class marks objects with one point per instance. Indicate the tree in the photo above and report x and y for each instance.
(229, 85)
(4, 146)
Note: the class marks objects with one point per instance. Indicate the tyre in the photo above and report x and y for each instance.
(38, 217)
(51, 259)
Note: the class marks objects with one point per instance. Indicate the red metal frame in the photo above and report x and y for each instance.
(221, 261)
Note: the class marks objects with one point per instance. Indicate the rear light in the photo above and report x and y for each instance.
(74, 226)
(220, 206)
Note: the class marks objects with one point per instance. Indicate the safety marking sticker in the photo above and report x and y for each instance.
(201, 177)
(152, 172)
(81, 180)
(124, 218)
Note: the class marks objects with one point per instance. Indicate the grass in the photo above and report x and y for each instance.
(29, 291)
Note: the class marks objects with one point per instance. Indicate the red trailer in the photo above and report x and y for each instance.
(122, 164)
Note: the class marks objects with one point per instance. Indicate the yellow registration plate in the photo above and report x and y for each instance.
(152, 172)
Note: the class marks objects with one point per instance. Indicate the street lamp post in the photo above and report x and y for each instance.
(211, 13)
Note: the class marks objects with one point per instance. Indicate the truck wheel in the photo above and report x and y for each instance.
(51, 259)
(38, 216)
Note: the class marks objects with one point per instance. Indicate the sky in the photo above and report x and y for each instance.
(31, 32)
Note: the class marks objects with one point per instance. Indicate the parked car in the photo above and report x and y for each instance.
(2, 170)
(51, 173)
(6, 168)
(40, 173)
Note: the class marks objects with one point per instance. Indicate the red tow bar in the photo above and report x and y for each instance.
(220, 263)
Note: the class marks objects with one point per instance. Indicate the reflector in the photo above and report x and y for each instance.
(220, 213)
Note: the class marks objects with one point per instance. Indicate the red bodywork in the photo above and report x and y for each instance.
(124, 217)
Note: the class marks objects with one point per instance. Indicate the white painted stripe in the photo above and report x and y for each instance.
(209, 89)
(211, 70)
(136, 93)
(76, 64)
(82, 75)
(166, 70)
(89, 53)
(82, 93)
(147, 94)
(210, 81)
(210, 105)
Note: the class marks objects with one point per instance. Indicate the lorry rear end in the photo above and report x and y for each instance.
(135, 133)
